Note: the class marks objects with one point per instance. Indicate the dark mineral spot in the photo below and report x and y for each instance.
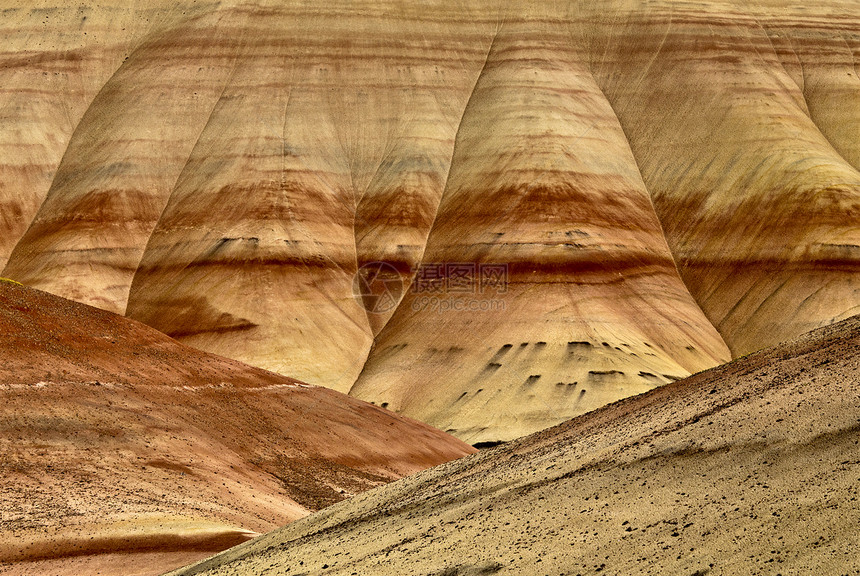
(482, 569)
(488, 444)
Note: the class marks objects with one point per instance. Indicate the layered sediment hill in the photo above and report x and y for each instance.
(747, 468)
(56, 65)
(743, 120)
(317, 190)
(542, 184)
(125, 452)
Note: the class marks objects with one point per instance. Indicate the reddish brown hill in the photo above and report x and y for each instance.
(116, 440)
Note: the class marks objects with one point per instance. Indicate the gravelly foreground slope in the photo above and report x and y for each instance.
(749, 468)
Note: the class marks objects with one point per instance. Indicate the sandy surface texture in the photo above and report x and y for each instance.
(125, 452)
(749, 468)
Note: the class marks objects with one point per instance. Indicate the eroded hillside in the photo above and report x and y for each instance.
(124, 452)
(654, 185)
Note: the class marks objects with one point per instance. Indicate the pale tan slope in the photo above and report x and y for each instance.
(125, 452)
(50, 69)
(328, 149)
(749, 468)
(543, 183)
(829, 79)
(54, 60)
(127, 152)
(743, 120)
(243, 166)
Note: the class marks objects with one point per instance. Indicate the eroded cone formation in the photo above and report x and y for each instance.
(662, 183)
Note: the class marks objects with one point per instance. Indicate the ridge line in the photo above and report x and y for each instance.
(420, 259)
(179, 178)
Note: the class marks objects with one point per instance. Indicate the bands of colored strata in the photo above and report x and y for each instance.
(121, 163)
(338, 158)
(542, 180)
(237, 170)
(744, 123)
(53, 62)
